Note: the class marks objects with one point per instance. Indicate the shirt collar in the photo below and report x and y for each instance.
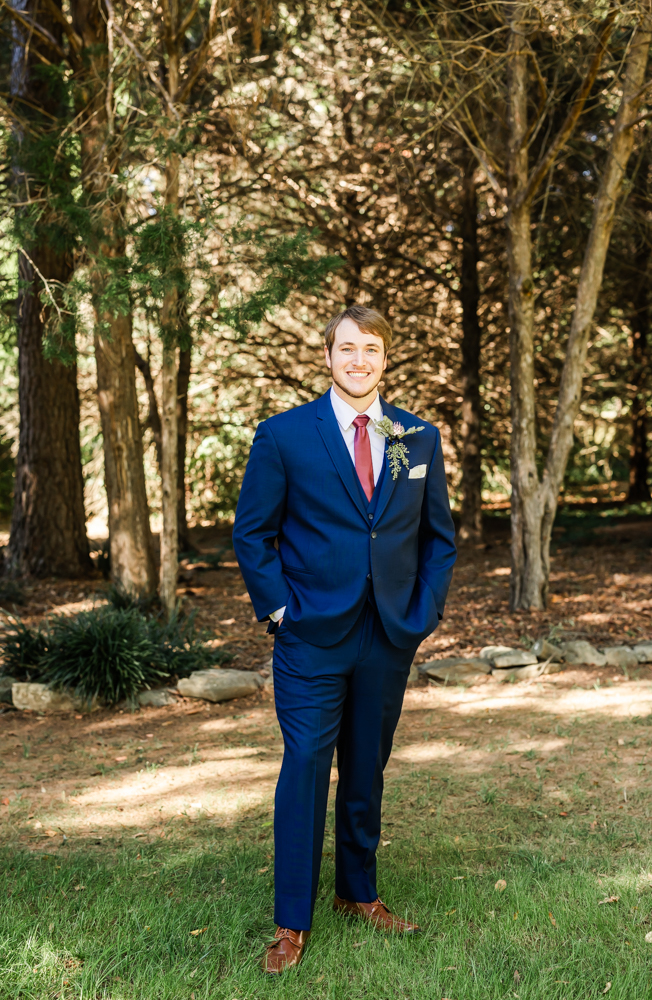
(346, 414)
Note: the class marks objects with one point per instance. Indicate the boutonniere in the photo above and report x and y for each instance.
(394, 433)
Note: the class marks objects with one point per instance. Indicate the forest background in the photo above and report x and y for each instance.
(191, 190)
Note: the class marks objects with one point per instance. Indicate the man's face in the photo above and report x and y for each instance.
(357, 360)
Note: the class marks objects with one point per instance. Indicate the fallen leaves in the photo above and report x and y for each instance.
(500, 885)
(386, 843)
(119, 760)
(200, 930)
(5, 802)
(78, 888)
(261, 871)
(552, 919)
(359, 944)
(648, 937)
(609, 899)
(607, 988)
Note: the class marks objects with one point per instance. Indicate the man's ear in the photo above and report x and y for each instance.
(327, 356)
(385, 361)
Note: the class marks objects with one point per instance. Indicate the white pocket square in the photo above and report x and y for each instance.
(418, 472)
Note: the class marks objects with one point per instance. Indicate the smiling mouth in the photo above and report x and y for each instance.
(358, 375)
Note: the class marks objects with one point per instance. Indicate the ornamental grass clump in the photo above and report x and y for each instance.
(108, 653)
(23, 649)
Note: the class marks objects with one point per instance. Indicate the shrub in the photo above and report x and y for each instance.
(109, 653)
(183, 646)
(23, 649)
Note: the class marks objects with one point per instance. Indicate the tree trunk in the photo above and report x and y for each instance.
(534, 504)
(471, 513)
(527, 585)
(170, 334)
(169, 480)
(130, 540)
(639, 490)
(48, 531)
(183, 382)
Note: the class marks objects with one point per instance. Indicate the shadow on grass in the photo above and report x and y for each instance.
(75, 924)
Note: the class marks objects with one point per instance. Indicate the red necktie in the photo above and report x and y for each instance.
(362, 450)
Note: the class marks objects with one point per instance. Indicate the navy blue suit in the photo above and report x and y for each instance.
(363, 583)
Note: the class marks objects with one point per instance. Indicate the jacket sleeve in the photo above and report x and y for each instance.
(258, 520)
(437, 552)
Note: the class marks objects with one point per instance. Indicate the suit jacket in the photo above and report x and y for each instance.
(304, 536)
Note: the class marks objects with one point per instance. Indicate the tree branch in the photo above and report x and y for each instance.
(576, 108)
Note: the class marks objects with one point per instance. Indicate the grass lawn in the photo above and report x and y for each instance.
(167, 822)
(117, 922)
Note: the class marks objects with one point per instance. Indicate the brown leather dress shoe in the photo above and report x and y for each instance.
(375, 913)
(284, 951)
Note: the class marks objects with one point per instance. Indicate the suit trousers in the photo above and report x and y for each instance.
(347, 696)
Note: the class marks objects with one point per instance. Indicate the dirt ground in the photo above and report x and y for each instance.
(112, 775)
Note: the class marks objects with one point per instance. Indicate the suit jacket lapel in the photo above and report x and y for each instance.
(329, 429)
(388, 483)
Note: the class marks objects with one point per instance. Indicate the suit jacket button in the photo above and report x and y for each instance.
(368, 576)
(374, 534)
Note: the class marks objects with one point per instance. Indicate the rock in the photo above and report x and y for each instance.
(40, 698)
(415, 676)
(455, 670)
(489, 652)
(6, 684)
(158, 698)
(471, 664)
(581, 652)
(643, 652)
(545, 650)
(220, 685)
(517, 658)
(525, 673)
(621, 656)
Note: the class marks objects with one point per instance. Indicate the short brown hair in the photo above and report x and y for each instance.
(368, 320)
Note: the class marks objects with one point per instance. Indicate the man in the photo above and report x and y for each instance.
(347, 546)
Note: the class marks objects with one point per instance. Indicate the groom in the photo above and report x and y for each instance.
(351, 558)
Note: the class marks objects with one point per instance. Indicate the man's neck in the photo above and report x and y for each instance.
(359, 403)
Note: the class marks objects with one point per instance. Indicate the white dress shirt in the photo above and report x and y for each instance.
(345, 415)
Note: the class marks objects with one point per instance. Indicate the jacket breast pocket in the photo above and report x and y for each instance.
(417, 484)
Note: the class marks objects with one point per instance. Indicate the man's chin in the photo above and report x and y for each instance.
(356, 391)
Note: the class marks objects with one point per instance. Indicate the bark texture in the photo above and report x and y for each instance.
(471, 513)
(183, 383)
(639, 489)
(527, 580)
(534, 502)
(169, 331)
(130, 540)
(48, 530)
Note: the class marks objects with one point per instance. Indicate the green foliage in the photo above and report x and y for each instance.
(23, 649)
(108, 653)
(183, 647)
(285, 265)
(111, 652)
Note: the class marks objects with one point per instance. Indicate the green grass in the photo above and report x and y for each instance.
(126, 933)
